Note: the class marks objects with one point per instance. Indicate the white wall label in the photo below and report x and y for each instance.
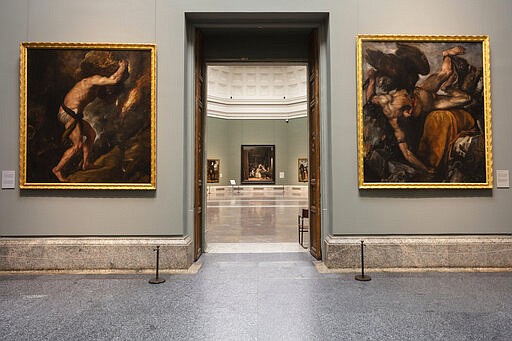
(281, 175)
(502, 178)
(8, 179)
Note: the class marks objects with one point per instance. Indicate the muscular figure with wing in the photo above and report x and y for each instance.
(422, 99)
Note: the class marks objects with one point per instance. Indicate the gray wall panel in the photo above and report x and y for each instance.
(425, 212)
(166, 211)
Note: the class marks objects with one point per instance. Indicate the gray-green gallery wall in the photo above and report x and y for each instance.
(225, 137)
(166, 211)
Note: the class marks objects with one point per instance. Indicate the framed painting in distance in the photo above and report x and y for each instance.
(303, 170)
(87, 116)
(258, 164)
(213, 170)
(424, 112)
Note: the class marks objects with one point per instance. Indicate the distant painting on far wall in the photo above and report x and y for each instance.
(258, 164)
(213, 170)
(87, 116)
(424, 114)
(303, 170)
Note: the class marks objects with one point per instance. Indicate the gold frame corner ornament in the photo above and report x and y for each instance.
(487, 114)
(24, 184)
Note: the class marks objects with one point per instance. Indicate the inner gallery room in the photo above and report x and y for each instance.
(255, 170)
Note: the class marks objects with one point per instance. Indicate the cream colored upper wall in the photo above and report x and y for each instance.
(163, 22)
(260, 91)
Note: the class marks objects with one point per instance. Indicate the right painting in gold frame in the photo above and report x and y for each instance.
(424, 112)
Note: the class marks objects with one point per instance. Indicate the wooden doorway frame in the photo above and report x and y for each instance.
(313, 100)
(314, 143)
(199, 141)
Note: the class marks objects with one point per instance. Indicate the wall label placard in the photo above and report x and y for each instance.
(502, 178)
(8, 179)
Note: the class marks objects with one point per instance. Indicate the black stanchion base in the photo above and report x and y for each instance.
(156, 280)
(363, 278)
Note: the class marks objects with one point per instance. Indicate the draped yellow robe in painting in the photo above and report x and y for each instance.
(441, 130)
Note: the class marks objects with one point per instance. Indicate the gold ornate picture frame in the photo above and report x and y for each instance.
(424, 112)
(87, 116)
(258, 164)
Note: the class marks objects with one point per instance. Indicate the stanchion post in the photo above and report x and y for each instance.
(362, 276)
(157, 280)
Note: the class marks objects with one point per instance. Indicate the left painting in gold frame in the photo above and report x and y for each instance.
(87, 116)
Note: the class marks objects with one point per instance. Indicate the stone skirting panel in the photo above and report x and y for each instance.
(419, 252)
(27, 254)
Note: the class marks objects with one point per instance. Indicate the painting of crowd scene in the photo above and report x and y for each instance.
(87, 116)
(213, 170)
(424, 118)
(258, 164)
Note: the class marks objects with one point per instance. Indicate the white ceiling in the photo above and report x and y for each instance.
(257, 91)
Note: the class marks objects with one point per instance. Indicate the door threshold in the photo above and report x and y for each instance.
(254, 248)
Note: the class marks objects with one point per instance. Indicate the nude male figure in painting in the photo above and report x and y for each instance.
(79, 131)
(425, 98)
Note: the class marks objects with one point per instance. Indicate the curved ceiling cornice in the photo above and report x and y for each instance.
(257, 91)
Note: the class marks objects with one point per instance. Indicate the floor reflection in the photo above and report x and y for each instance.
(253, 217)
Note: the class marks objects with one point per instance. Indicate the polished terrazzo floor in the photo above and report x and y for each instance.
(268, 216)
(257, 297)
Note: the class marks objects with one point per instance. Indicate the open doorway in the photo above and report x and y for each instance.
(256, 38)
(256, 144)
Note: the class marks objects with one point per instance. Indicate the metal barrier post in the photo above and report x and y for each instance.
(362, 276)
(157, 280)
